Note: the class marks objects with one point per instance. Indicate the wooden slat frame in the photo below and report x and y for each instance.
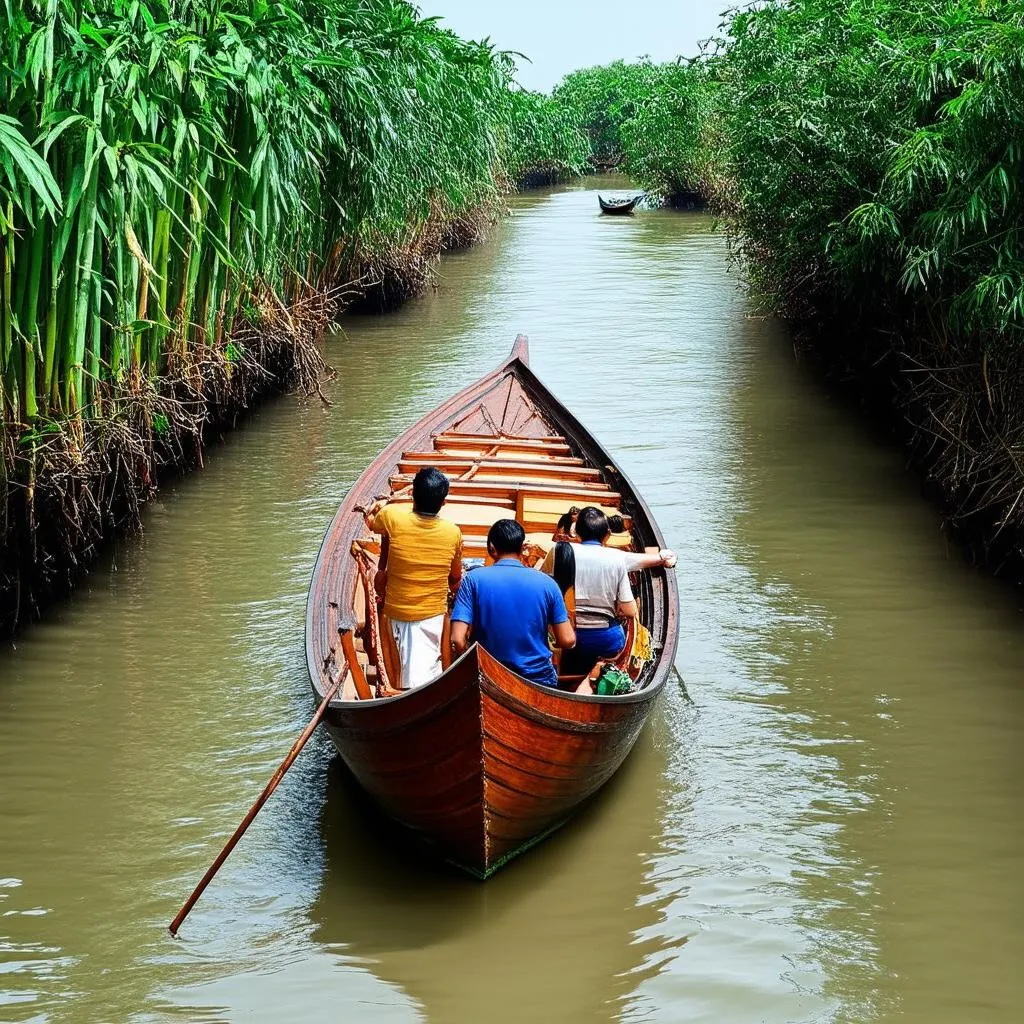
(432, 458)
(559, 449)
(580, 493)
(554, 439)
(500, 466)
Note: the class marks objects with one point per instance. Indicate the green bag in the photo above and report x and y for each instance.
(613, 682)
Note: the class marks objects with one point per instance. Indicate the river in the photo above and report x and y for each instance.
(824, 823)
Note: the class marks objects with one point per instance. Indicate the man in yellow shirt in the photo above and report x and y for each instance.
(420, 564)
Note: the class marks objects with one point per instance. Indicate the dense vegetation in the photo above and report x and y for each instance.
(885, 143)
(186, 186)
(868, 159)
(878, 155)
(652, 121)
(603, 98)
(190, 191)
(542, 141)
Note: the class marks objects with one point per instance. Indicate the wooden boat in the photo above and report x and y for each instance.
(480, 762)
(617, 206)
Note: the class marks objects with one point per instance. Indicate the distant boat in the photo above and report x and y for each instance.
(482, 763)
(618, 206)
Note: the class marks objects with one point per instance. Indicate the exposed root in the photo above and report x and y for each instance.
(391, 273)
(70, 485)
(960, 411)
(967, 420)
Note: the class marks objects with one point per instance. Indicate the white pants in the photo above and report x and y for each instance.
(419, 648)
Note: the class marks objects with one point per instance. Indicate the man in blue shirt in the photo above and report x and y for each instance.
(509, 607)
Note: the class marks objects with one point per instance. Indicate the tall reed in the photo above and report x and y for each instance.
(180, 179)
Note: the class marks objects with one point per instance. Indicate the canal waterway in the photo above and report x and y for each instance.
(825, 823)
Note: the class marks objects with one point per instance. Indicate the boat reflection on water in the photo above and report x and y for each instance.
(557, 935)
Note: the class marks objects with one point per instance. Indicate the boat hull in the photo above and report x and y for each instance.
(618, 209)
(482, 764)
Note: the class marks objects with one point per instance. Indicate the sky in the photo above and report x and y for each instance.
(561, 35)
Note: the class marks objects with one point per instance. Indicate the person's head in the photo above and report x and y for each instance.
(429, 489)
(591, 524)
(616, 524)
(567, 519)
(505, 538)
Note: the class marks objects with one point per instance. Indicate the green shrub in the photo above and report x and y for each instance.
(878, 151)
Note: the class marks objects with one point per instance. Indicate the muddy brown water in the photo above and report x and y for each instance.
(828, 827)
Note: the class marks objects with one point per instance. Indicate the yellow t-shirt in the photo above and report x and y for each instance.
(420, 554)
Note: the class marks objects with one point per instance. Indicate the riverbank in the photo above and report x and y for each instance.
(866, 164)
(174, 242)
(71, 491)
(956, 413)
(888, 228)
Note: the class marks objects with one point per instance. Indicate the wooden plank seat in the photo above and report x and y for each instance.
(472, 519)
(537, 504)
(500, 467)
(622, 541)
(581, 492)
(514, 454)
(542, 514)
(542, 447)
(543, 540)
(499, 500)
(493, 452)
(521, 478)
(473, 509)
(475, 520)
(460, 435)
(467, 459)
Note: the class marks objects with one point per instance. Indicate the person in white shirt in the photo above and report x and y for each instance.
(603, 595)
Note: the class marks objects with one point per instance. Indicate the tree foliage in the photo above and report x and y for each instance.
(654, 121)
(544, 141)
(669, 144)
(877, 150)
(602, 98)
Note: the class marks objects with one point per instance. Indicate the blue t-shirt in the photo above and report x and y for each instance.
(510, 606)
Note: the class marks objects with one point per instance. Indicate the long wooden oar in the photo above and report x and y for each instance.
(255, 809)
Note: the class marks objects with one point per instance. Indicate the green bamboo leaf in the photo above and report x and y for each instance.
(110, 156)
(35, 56)
(17, 151)
(55, 133)
(177, 73)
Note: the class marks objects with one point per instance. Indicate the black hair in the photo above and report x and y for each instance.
(506, 536)
(564, 566)
(616, 524)
(429, 489)
(591, 524)
(565, 521)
